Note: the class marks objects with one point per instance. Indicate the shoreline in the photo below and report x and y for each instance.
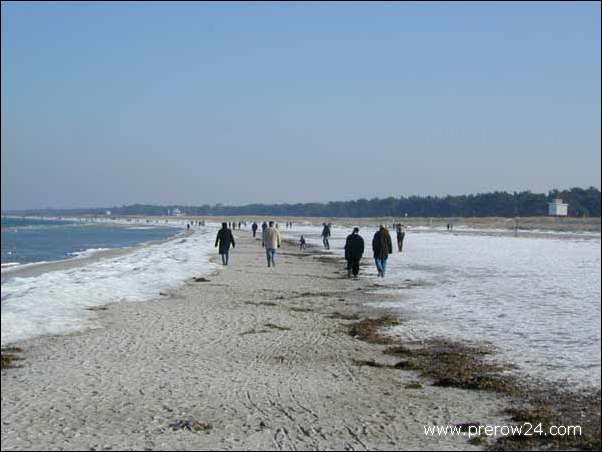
(262, 358)
(33, 269)
(55, 298)
(311, 295)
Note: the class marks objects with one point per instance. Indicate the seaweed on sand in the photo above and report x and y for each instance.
(300, 309)
(343, 316)
(191, 425)
(576, 412)
(9, 357)
(369, 330)
(277, 327)
(453, 364)
(458, 365)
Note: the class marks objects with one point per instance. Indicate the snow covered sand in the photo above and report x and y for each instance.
(253, 352)
(536, 297)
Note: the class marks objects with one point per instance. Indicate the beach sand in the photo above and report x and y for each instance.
(254, 356)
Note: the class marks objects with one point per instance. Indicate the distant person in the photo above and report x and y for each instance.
(302, 243)
(254, 229)
(188, 227)
(354, 250)
(271, 241)
(264, 226)
(224, 239)
(382, 247)
(325, 235)
(401, 234)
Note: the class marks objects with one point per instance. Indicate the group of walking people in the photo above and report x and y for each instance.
(382, 247)
(382, 244)
(270, 240)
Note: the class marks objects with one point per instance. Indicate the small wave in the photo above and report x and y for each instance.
(12, 266)
(87, 253)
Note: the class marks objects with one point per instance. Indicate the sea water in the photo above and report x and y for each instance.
(535, 297)
(32, 240)
(55, 301)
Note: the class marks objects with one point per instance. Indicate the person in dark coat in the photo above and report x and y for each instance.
(325, 235)
(354, 250)
(382, 247)
(302, 243)
(401, 234)
(254, 228)
(224, 239)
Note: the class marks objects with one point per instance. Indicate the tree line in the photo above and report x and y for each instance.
(582, 203)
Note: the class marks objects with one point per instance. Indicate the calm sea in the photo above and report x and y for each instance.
(26, 241)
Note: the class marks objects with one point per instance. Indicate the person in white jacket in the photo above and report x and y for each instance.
(271, 241)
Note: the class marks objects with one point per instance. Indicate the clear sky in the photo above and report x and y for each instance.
(114, 103)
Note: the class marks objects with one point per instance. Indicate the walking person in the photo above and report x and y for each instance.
(325, 235)
(224, 239)
(271, 241)
(354, 250)
(254, 228)
(302, 243)
(264, 226)
(401, 234)
(382, 247)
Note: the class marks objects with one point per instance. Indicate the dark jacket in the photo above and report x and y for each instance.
(254, 227)
(381, 244)
(354, 247)
(224, 239)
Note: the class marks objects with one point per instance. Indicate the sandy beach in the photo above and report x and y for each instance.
(253, 358)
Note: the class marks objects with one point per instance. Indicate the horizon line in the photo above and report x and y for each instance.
(219, 204)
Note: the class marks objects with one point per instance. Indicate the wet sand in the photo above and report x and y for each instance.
(254, 358)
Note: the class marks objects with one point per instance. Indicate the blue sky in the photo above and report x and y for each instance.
(114, 103)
